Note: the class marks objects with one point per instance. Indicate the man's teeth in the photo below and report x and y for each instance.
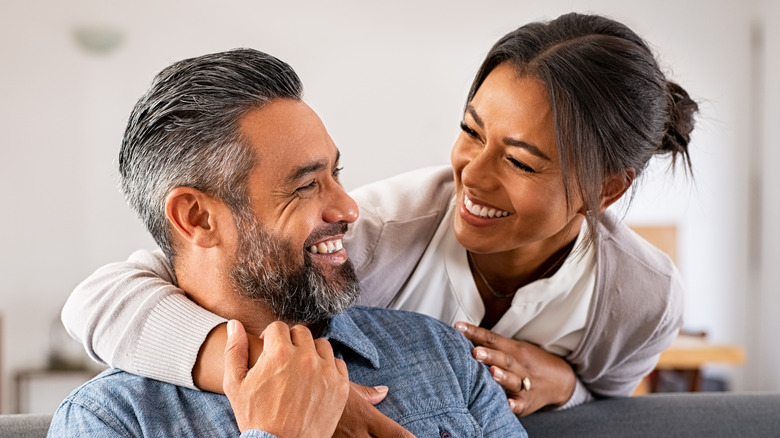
(481, 211)
(328, 247)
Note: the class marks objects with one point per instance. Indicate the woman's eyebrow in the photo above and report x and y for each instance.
(533, 150)
(473, 112)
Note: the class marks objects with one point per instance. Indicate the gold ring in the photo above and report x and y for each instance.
(526, 384)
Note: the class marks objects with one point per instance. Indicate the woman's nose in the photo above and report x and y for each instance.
(479, 170)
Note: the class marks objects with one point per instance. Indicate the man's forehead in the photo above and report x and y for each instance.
(289, 139)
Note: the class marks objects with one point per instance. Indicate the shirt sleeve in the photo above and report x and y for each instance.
(254, 433)
(130, 316)
(579, 396)
(74, 419)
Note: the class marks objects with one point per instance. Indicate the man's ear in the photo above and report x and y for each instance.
(194, 216)
(614, 187)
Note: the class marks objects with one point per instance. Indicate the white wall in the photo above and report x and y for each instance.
(767, 324)
(389, 81)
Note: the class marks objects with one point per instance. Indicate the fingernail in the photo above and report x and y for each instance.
(511, 403)
(231, 327)
(381, 388)
(480, 354)
(461, 327)
(498, 374)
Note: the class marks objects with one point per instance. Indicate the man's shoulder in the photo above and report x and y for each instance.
(117, 390)
(130, 405)
(413, 331)
(403, 318)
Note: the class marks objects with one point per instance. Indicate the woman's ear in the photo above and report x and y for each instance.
(615, 186)
(194, 216)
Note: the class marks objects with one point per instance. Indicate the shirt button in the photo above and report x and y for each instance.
(445, 434)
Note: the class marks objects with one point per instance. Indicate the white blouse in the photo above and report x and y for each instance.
(551, 312)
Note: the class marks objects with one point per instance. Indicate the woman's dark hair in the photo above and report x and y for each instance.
(613, 108)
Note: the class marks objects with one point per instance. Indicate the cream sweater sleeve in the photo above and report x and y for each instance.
(130, 316)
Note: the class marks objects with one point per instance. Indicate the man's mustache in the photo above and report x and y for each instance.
(327, 230)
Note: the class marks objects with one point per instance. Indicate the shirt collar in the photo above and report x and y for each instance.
(342, 328)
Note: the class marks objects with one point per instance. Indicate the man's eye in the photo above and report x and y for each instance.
(308, 187)
(337, 172)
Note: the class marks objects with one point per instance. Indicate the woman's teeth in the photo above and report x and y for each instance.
(328, 247)
(481, 211)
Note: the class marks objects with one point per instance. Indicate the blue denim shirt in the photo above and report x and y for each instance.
(436, 389)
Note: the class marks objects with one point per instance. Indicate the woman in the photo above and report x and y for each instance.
(512, 244)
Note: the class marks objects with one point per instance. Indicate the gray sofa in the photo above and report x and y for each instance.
(667, 415)
(711, 415)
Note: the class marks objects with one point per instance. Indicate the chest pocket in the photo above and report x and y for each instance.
(444, 422)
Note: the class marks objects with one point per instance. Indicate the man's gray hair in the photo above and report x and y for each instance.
(185, 132)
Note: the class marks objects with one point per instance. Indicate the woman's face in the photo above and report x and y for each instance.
(510, 192)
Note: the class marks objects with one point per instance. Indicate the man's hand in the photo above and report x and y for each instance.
(297, 388)
(362, 419)
(532, 378)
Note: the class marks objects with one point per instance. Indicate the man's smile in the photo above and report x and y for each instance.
(326, 247)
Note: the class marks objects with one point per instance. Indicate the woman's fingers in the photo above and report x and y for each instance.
(531, 377)
(481, 336)
(512, 383)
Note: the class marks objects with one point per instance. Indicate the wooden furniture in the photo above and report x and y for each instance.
(687, 355)
(40, 391)
(690, 351)
(663, 237)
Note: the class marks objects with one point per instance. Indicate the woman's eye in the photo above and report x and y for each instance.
(337, 173)
(467, 129)
(520, 165)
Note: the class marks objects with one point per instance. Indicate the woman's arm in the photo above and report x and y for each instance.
(130, 316)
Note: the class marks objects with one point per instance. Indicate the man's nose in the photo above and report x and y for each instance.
(340, 206)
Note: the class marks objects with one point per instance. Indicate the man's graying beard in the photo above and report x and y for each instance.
(265, 270)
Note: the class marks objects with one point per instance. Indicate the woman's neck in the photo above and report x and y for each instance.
(505, 272)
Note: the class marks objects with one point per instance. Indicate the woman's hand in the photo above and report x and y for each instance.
(532, 378)
(297, 388)
(362, 419)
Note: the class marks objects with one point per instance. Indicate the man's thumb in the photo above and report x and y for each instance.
(370, 394)
(236, 354)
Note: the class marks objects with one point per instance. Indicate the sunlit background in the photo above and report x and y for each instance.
(389, 79)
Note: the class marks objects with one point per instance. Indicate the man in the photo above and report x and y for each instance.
(237, 180)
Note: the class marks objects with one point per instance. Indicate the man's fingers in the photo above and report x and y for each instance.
(300, 336)
(236, 354)
(341, 366)
(324, 349)
(370, 394)
(277, 330)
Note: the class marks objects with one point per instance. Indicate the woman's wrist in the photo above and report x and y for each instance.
(209, 368)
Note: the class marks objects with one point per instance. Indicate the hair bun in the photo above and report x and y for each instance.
(681, 121)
